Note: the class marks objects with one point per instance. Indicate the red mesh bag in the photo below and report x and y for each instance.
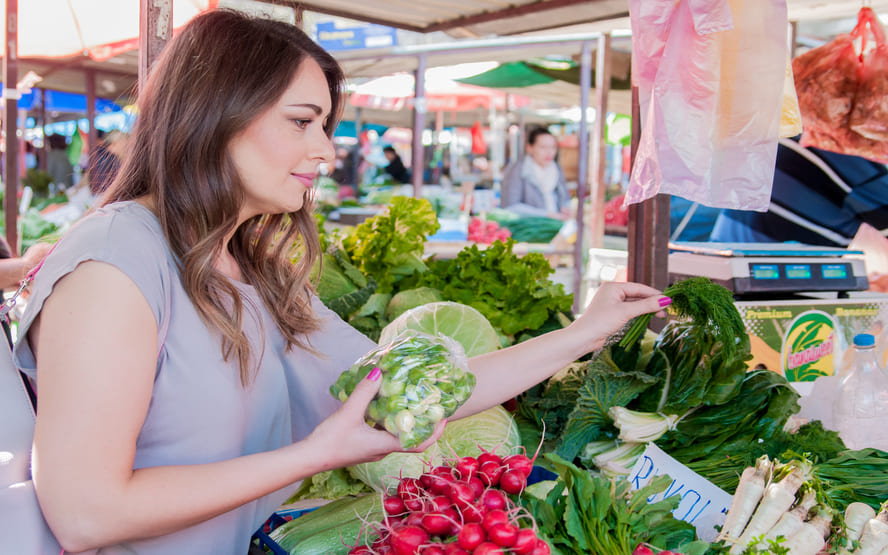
(843, 94)
(869, 116)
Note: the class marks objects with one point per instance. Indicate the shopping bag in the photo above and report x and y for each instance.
(841, 88)
(869, 116)
(711, 100)
(22, 526)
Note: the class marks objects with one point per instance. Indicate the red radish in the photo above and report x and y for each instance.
(488, 548)
(524, 542)
(414, 503)
(435, 524)
(407, 539)
(519, 463)
(454, 549)
(393, 505)
(542, 548)
(494, 517)
(477, 486)
(490, 473)
(503, 534)
(489, 457)
(439, 503)
(642, 550)
(471, 513)
(494, 499)
(513, 482)
(433, 549)
(409, 487)
(471, 536)
(461, 494)
(414, 519)
(467, 467)
(360, 550)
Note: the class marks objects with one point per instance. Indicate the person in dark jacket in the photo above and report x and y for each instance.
(395, 167)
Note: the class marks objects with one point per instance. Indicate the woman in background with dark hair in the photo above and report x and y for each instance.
(184, 383)
(534, 185)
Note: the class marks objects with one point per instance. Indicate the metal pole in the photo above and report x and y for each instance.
(599, 144)
(582, 170)
(93, 135)
(420, 108)
(10, 125)
(155, 29)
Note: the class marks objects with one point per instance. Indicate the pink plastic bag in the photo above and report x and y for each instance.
(710, 77)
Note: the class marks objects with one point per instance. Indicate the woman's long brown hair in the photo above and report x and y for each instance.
(219, 73)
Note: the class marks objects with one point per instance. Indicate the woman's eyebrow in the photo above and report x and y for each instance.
(313, 107)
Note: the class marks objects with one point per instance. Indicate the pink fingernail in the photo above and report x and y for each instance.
(664, 301)
(374, 374)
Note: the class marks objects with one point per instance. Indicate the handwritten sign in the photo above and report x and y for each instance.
(702, 504)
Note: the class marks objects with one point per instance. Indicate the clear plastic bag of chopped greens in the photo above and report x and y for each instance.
(425, 378)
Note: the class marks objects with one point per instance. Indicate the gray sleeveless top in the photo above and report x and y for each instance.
(199, 411)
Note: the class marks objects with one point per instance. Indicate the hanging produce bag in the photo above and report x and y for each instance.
(710, 76)
(842, 89)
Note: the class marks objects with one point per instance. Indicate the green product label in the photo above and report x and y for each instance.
(809, 346)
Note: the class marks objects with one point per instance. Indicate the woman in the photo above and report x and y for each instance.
(535, 185)
(183, 383)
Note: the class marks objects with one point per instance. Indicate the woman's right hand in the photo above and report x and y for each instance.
(347, 439)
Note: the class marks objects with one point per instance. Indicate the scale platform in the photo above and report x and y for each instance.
(769, 268)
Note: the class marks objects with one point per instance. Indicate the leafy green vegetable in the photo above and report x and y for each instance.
(589, 514)
(388, 247)
(493, 430)
(462, 323)
(708, 304)
(514, 293)
(760, 410)
(855, 476)
(812, 440)
(411, 298)
(330, 484)
(604, 386)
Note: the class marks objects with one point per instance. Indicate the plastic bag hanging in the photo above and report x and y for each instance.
(842, 96)
(711, 96)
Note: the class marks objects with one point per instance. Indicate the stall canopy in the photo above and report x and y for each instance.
(97, 29)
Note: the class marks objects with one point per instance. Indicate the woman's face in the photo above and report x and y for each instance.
(543, 151)
(277, 155)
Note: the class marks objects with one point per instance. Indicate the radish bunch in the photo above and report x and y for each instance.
(461, 507)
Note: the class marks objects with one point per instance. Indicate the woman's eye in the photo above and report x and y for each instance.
(301, 123)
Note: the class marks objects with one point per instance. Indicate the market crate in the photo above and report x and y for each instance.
(280, 517)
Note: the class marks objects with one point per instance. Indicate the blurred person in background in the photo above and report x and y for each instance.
(395, 166)
(58, 166)
(534, 185)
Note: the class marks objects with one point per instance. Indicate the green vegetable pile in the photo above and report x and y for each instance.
(688, 391)
(582, 513)
(375, 272)
(424, 379)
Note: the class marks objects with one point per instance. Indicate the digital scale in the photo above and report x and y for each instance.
(769, 268)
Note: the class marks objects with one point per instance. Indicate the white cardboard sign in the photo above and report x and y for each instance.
(702, 503)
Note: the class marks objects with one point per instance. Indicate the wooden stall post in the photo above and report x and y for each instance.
(155, 29)
(10, 126)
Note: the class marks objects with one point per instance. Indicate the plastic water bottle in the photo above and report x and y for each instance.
(861, 405)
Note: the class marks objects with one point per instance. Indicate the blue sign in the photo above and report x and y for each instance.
(335, 36)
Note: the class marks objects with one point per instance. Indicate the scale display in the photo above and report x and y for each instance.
(762, 269)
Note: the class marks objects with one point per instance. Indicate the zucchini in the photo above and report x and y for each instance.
(329, 516)
(340, 538)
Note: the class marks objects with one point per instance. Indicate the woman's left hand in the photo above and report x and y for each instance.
(613, 305)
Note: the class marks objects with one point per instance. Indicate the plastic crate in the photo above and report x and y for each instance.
(280, 517)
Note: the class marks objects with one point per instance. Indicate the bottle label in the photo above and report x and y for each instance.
(809, 346)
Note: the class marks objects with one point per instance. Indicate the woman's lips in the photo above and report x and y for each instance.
(305, 178)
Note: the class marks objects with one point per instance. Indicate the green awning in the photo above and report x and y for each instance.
(525, 74)
(508, 75)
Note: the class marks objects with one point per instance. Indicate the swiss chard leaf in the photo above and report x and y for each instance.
(604, 386)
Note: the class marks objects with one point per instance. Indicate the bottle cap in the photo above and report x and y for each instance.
(864, 340)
